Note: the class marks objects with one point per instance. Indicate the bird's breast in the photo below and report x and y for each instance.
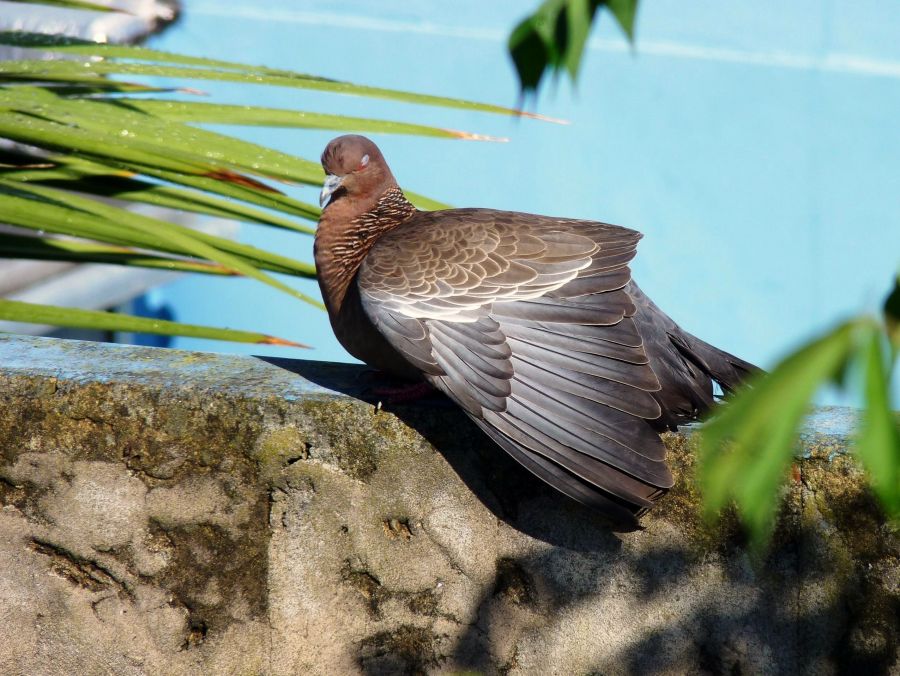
(358, 335)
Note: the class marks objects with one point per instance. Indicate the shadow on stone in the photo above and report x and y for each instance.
(844, 626)
(509, 491)
(349, 379)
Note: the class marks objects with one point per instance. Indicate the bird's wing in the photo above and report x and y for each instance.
(526, 322)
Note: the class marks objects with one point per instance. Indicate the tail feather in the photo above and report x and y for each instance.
(724, 368)
(685, 365)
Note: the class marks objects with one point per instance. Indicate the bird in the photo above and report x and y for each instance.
(531, 324)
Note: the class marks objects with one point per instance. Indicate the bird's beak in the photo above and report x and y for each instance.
(332, 183)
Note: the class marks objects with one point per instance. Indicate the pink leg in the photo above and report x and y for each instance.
(404, 393)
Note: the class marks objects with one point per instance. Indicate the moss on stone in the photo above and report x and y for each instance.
(355, 435)
(163, 437)
(406, 651)
(268, 454)
(682, 505)
(278, 448)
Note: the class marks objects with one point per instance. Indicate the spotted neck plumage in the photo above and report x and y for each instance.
(345, 248)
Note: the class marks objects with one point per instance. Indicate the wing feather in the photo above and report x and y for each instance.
(526, 323)
(635, 375)
(534, 440)
(558, 341)
(561, 480)
(625, 398)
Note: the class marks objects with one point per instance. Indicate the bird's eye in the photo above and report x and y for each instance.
(363, 163)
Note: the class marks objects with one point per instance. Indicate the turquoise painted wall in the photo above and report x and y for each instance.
(755, 143)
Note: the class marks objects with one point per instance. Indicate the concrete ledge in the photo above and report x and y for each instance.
(180, 513)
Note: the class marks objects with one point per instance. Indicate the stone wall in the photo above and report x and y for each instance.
(185, 513)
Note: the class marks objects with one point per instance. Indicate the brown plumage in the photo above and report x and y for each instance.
(530, 323)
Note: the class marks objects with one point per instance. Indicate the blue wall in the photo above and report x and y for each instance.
(755, 143)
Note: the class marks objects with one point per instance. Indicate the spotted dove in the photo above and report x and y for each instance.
(531, 324)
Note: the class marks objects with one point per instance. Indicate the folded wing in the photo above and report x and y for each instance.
(527, 323)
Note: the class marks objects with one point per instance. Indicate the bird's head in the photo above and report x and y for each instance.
(355, 168)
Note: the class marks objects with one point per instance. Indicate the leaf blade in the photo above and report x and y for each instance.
(33, 313)
(89, 219)
(878, 441)
(208, 69)
(624, 12)
(213, 113)
(762, 423)
(73, 251)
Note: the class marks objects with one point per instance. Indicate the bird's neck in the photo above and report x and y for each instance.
(347, 232)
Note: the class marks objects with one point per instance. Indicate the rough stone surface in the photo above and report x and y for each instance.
(182, 513)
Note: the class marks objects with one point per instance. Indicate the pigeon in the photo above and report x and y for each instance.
(531, 324)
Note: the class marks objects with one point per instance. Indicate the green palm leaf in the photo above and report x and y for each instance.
(74, 251)
(32, 313)
(197, 111)
(190, 67)
(46, 209)
(67, 176)
(71, 4)
(84, 138)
